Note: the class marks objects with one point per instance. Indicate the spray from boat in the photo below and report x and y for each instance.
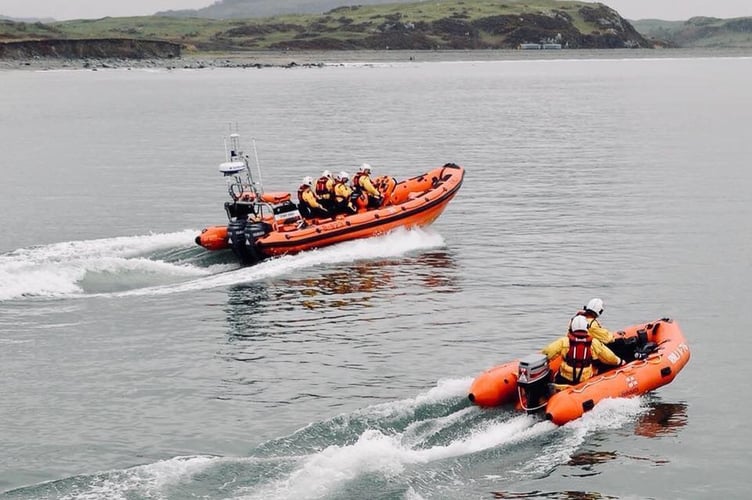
(435, 434)
(159, 264)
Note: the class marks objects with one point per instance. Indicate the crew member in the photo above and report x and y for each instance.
(325, 190)
(362, 183)
(578, 351)
(592, 311)
(343, 194)
(308, 203)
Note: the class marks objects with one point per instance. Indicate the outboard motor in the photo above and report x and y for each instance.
(532, 382)
(242, 235)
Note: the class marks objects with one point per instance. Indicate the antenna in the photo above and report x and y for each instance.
(258, 165)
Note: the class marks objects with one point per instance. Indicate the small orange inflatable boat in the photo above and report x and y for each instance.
(656, 352)
(263, 225)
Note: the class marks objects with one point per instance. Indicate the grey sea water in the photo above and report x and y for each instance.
(135, 365)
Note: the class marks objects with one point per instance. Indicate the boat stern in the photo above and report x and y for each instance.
(496, 386)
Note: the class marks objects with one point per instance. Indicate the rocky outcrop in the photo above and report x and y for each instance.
(607, 30)
(89, 49)
(613, 31)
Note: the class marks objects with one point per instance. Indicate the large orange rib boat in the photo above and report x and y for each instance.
(656, 352)
(263, 224)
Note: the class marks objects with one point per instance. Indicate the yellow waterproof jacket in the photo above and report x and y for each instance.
(560, 347)
(364, 182)
(307, 197)
(596, 331)
(342, 193)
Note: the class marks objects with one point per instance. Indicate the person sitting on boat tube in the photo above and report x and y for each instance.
(309, 205)
(361, 183)
(343, 194)
(325, 190)
(578, 351)
(592, 311)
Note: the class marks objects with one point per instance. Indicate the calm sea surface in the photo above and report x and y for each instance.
(134, 365)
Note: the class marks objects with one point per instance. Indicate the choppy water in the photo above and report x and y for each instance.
(136, 365)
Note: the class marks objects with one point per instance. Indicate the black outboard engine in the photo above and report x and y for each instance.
(532, 382)
(242, 235)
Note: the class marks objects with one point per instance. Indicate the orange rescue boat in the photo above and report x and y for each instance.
(656, 352)
(263, 225)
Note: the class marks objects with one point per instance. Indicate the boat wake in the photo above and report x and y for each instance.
(99, 266)
(435, 435)
(391, 447)
(159, 264)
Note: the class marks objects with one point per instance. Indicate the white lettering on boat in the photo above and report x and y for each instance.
(677, 353)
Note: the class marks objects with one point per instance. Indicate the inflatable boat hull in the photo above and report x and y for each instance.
(498, 386)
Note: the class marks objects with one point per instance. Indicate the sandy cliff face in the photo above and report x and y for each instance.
(85, 49)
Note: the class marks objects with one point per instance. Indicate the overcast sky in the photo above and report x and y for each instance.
(92, 9)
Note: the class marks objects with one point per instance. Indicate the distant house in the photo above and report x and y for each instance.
(539, 46)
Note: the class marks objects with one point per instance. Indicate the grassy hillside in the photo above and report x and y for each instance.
(246, 9)
(13, 30)
(706, 32)
(469, 24)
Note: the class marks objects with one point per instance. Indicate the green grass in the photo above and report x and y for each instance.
(263, 33)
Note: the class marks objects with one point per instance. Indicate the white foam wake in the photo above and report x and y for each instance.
(388, 454)
(119, 266)
(394, 244)
(149, 480)
(60, 269)
(611, 413)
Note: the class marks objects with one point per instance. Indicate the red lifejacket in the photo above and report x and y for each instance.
(579, 354)
(322, 190)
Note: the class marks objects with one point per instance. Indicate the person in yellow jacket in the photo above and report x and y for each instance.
(343, 194)
(324, 190)
(592, 311)
(361, 183)
(309, 205)
(578, 351)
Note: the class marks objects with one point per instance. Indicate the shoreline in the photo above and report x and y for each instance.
(293, 59)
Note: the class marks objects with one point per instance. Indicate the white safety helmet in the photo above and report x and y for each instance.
(579, 324)
(326, 173)
(595, 306)
(308, 180)
(365, 168)
(344, 175)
